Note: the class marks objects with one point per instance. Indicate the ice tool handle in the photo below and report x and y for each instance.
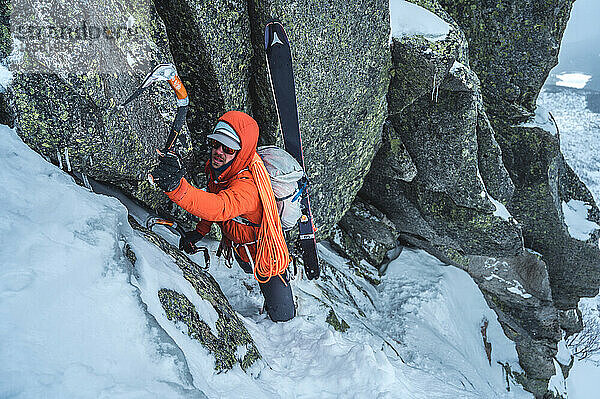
(175, 228)
(167, 72)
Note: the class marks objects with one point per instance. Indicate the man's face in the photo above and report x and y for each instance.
(220, 157)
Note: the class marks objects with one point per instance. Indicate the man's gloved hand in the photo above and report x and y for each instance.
(169, 172)
(188, 242)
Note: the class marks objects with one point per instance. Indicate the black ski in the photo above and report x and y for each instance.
(279, 61)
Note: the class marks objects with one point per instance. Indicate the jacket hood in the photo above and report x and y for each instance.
(247, 128)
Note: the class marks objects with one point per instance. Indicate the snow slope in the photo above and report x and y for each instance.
(78, 321)
(72, 324)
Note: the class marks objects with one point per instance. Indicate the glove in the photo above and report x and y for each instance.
(167, 175)
(188, 242)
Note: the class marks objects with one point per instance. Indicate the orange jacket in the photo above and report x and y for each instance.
(233, 193)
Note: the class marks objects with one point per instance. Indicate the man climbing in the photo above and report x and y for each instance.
(241, 201)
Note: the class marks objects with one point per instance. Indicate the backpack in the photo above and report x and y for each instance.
(285, 172)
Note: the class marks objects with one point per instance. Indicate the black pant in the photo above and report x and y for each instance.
(278, 295)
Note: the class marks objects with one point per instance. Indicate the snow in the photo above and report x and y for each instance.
(585, 374)
(515, 286)
(576, 213)
(564, 353)
(72, 324)
(130, 22)
(574, 80)
(456, 66)
(424, 304)
(5, 78)
(501, 210)
(557, 383)
(579, 133)
(518, 289)
(79, 321)
(407, 19)
(583, 380)
(542, 120)
(130, 60)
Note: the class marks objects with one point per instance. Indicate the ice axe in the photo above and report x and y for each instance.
(175, 228)
(167, 72)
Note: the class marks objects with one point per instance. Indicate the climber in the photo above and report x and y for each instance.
(240, 200)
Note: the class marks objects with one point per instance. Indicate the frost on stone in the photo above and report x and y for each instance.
(501, 210)
(513, 286)
(6, 77)
(557, 384)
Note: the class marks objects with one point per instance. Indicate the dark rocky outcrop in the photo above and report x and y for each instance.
(512, 50)
(67, 99)
(543, 182)
(366, 237)
(446, 207)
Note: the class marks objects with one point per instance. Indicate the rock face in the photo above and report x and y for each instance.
(66, 99)
(367, 238)
(446, 207)
(512, 47)
(512, 50)
(341, 62)
(518, 290)
(544, 183)
(465, 171)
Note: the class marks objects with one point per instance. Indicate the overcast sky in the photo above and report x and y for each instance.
(584, 21)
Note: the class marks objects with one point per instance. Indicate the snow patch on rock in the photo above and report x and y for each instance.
(576, 219)
(407, 19)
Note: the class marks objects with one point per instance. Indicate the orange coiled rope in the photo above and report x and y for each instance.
(272, 256)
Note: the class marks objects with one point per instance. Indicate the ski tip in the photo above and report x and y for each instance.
(274, 21)
(275, 34)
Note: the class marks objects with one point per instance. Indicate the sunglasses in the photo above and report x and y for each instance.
(215, 144)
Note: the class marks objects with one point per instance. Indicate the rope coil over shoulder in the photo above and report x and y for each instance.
(272, 255)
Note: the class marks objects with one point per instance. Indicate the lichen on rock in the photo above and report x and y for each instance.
(338, 324)
(224, 347)
(231, 334)
(69, 85)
